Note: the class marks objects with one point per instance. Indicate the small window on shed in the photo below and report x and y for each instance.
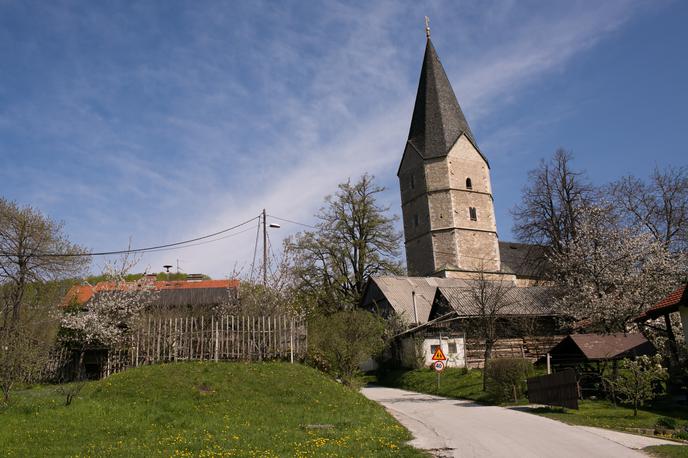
(415, 220)
(472, 213)
(453, 349)
(433, 348)
(469, 183)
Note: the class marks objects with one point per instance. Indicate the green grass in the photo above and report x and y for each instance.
(203, 409)
(604, 415)
(667, 451)
(454, 383)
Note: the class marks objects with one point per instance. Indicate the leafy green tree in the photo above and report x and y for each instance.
(506, 377)
(353, 240)
(341, 342)
(637, 380)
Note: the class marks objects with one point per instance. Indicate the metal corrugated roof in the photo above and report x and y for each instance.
(398, 292)
(532, 300)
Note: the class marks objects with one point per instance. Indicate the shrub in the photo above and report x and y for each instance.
(341, 342)
(665, 423)
(638, 379)
(683, 435)
(506, 377)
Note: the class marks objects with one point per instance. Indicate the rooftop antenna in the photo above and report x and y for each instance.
(167, 268)
(427, 26)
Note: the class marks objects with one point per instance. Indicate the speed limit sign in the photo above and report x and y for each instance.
(438, 366)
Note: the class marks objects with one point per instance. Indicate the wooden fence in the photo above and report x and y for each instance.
(247, 338)
(558, 389)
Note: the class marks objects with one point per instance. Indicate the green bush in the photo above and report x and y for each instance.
(666, 423)
(506, 377)
(683, 435)
(341, 342)
(638, 380)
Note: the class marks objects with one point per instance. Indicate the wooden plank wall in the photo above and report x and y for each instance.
(246, 338)
(531, 348)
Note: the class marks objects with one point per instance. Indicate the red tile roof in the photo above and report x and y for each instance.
(82, 293)
(669, 304)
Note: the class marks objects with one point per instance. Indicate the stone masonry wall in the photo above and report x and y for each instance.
(436, 200)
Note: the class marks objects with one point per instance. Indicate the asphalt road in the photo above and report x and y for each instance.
(450, 427)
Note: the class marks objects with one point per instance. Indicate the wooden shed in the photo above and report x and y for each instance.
(594, 348)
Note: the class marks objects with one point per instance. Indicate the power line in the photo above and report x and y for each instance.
(201, 243)
(293, 222)
(255, 249)
(135, 250)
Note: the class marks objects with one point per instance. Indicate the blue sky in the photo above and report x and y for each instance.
(162, 121)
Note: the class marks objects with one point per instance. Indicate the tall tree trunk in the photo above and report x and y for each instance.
(488, 354)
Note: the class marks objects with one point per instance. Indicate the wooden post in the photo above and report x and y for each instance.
(191, 334)
(261, 324)
(269, 338)
(217, 342)
(176, 338)
(202, 338)
(148, 335)
(211, 343)
(292, 341)
(157, 348)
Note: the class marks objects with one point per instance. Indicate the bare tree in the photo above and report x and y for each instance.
(35, 259)
(491, 299)
(33, 251)
(659, 205)
(551, 203)
(25, 347)
(353, 240)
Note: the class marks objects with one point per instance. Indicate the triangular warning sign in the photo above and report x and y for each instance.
(439, 355)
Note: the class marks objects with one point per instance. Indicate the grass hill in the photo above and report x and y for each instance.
(203, 409)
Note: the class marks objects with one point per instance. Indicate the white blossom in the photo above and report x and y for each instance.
(612, 273)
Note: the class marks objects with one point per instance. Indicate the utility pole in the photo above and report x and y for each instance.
(265, 250)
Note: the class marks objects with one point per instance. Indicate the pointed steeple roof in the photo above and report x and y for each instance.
(437, 120)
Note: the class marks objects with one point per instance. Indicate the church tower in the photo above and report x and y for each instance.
(446, 196)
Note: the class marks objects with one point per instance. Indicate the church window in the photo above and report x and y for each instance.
(469, 184)
(415, 220)
(473, 213)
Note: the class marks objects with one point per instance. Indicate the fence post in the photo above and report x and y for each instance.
(217, 342)
(291, 346)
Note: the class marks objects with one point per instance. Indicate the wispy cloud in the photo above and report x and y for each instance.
(176, 133)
